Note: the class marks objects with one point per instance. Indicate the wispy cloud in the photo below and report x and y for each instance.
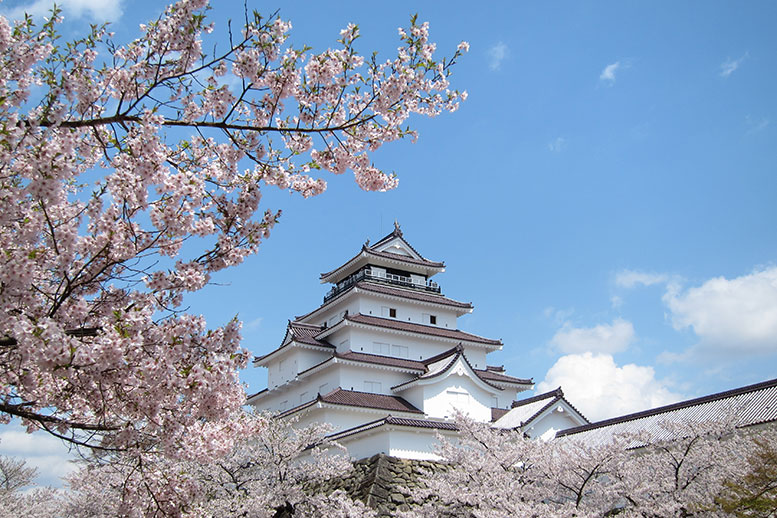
(97, 10)
(253, 324)
(557, 145)
(754, 125)
(632, 278)
(496, 55)
(608, 74)
(730, 66)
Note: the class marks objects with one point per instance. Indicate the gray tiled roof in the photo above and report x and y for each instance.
(300, 333)
(358, 399)
(397, 421)
(412, 294)
(750, 405)
(413, 327)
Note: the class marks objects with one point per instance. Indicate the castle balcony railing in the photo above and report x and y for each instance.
(384, 278)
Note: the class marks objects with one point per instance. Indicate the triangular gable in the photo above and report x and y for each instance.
(531, 412)
(446, 365)
(397, 246)
(395, 243)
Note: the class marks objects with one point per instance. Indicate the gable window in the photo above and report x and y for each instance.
(459, 399)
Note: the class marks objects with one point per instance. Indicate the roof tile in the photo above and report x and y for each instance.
(413, 327)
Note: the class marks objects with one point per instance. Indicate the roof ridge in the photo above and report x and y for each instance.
(671, 407)
(533, 399)
(421, 328)
(459, 354)
(439, 356)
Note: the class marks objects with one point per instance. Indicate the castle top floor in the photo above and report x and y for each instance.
(392, 260)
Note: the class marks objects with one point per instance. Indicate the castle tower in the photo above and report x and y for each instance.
(382, 359)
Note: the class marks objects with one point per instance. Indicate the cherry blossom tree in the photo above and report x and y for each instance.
(132, 173)
(680, 471)
(275, 466)
(39, 502)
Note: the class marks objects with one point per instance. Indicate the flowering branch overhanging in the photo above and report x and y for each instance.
(110, 211)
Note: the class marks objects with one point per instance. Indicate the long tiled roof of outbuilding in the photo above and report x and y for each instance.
(750, 405)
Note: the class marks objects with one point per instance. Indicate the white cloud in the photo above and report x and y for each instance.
(729, 66)
(557, 145)
(729, 315)
(42, 451)
(496, 55)
(97, 10)
(603, 338)
(608, 74)
(632, 278)
(600, 389)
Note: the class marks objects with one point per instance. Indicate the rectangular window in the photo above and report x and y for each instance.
(372, 386)
(400, 351)
(381, 348)
(388, 312)
(433, 319)
(322, 388)
(426, 318)
(284, 405)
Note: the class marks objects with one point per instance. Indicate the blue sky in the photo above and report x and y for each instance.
(605, 197)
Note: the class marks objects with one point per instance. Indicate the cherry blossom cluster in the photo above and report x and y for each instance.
(130, 174)
(680, 471)
(275, 465)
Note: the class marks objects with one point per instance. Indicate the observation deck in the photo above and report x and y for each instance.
(383, 278)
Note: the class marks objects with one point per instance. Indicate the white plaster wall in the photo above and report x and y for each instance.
(506, 398)
(419, 443)
(419, 347)
(439, 402)
(353, 376)
(291, 392)
(554, 420)
(307, 358)
(370, 304)
(367, 445)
